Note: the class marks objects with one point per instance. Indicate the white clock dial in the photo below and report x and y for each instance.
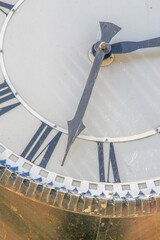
(45, 65)
(51, 64)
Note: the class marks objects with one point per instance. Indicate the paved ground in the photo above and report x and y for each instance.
(24, 219)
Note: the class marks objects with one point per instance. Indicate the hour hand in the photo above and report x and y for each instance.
(126, 47)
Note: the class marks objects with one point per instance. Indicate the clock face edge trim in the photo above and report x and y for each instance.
(76, 203)
(108, 190)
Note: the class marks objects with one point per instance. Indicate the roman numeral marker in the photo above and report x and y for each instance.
(101, 162)
(6, 5)
(50, 149)
(8, 108)
(6, 95)
(113, 162)
(37, 141)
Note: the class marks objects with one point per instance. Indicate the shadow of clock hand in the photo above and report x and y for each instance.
(128, 46)
(76, 126)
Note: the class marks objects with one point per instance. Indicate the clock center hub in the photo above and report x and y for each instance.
(108, 58)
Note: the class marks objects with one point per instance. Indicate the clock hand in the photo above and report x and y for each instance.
(76, 126)
(126, 47)
(108, 31)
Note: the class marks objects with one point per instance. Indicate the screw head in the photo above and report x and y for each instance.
(103, 45)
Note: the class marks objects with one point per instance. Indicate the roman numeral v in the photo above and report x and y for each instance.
(35, 145)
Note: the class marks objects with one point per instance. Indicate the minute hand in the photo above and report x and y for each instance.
(76, 126)
(126, 47)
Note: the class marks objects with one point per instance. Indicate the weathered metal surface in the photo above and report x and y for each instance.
(22, 218)
(79, 203)
(30, 210)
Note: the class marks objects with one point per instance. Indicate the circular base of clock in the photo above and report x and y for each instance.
(106, 62)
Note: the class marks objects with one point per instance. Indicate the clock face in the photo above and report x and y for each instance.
(45, 64)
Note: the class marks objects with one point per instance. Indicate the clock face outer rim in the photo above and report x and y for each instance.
(132, 190)
(135, 137)
(73, 201)
(99, 189)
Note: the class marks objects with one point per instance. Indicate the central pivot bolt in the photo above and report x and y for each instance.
(109, 57)
(103, 46)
